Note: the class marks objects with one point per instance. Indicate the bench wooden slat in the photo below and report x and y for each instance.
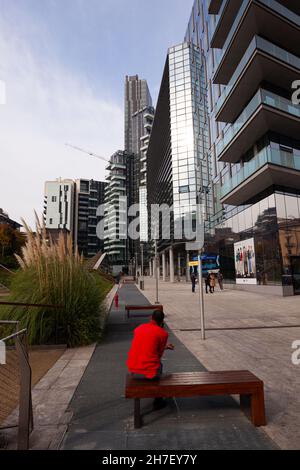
(142, 307)
(190, 384)
(196, 378)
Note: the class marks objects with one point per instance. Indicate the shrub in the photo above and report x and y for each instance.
(53, 274)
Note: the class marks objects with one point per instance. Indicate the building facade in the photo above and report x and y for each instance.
(142, 127)
(178, 167)
(89, 196)
(71, 207)
(59, 203)
(137, 97)
(119, 196)
(251, 57)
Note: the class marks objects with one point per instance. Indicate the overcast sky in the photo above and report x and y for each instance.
(64, 63)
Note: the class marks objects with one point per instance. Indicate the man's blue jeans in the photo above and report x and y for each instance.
(143, 377)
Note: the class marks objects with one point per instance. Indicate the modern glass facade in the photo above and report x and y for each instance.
(189, 134)
(226, 133)
(251, 54)
(177, 157)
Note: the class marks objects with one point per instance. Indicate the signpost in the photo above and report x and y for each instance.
(156, 271)
(193, 247)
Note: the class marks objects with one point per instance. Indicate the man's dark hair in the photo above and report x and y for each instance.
(158, 316)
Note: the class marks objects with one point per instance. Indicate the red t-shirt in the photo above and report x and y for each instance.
(149, 343)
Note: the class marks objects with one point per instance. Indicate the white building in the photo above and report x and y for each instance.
(59, 204)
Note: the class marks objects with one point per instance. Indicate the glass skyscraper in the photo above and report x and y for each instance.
(249, 50)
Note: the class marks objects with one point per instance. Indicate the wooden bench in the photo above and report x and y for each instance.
(128, 280)
(128, 308)
(191, 384)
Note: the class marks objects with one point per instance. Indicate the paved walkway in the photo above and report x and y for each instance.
(245, 330)
(103, 418)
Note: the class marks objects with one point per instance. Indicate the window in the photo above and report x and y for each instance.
(184, 189)
(51, 221)
(54, 198)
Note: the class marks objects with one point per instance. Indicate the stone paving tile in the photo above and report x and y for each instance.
(52, 395)
(264, 351)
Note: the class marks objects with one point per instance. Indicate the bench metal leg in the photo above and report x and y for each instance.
(137, 414)
(258, 415)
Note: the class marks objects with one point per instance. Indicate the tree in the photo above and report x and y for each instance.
(11, 240)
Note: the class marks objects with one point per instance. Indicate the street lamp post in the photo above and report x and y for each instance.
(201, 298)
(156, 272)
(142, 283)
(142, 260)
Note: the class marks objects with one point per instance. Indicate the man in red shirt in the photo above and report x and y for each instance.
(149, 343)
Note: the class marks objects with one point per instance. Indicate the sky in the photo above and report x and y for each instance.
(63, 63)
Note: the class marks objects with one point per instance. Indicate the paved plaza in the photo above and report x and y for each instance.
(244, 331)
(103, 418)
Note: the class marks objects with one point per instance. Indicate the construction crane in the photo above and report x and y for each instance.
(88, 153)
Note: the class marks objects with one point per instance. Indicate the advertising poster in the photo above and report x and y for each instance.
(245, 265)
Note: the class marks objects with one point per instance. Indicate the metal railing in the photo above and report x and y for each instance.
(25, 305)
(15, 385)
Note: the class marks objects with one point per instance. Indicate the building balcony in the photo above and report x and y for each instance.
(143, 158)
(265, 112)
(145, 137)
(293, 5)
(149, 116)
(269, 167)
(116, 165)
(117, 183)
(148, 126)
(214, 6)
(144, 148)
(266, 18)
(263, 61)
(225, 19)
(118, 177)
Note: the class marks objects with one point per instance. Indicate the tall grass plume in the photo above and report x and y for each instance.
(53, 273)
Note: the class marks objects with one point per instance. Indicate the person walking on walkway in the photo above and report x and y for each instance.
(193, 279)
(212, 283)
(220, 280)
(207, 278)
(148, 346)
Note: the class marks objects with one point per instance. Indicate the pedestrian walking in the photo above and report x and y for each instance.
(207, 278)
(220, 280)
(212, 283)
(193, 279)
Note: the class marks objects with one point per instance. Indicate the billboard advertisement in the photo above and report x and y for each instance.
(245, 264)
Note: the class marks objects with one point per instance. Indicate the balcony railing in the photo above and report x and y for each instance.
(265, 46)
(265, 156)
(262, 97)
(271, 5)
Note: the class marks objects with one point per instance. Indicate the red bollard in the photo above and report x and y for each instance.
(116, 301)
